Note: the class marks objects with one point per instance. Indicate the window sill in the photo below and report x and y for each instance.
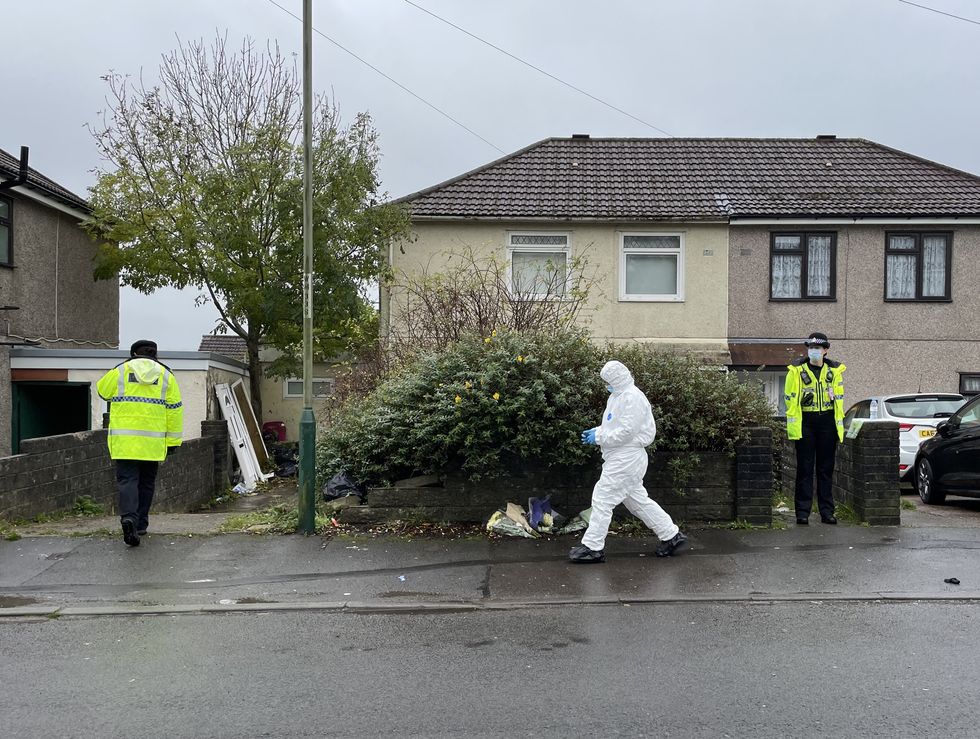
(918, 300)
(541, 299)
(803, 300)
(650, 299)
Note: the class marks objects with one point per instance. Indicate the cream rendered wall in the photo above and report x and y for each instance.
(289, 410)
(701, 319)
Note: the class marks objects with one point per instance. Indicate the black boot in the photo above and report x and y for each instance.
(669, 547)
(129, 532)
(583, 555)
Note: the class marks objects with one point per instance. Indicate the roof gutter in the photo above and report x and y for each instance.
(21, 177)
(566, 219)
(858, 221)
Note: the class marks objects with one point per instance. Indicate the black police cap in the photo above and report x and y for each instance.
(817, 339)
(141, 347)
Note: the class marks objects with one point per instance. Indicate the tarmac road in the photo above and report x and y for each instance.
(840, 631)
(790, 669)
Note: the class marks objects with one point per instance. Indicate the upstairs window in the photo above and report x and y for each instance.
(538, 264)
(917, 266)
(803, 266)
(6, 232)
(651, 267)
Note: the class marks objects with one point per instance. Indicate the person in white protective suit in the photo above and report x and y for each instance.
(627, 429)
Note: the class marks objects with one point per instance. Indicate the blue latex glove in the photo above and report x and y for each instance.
(588, 437)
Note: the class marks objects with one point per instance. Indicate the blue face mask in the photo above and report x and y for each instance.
(815, 354)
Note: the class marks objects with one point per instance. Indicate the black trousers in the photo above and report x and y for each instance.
(816, 452)
(137, 482)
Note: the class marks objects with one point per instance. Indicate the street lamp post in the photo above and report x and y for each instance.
(307, 424)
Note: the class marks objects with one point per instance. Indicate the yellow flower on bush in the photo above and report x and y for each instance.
(468, 384)
(496, 396)
(458, 400)
(494, 332)
(486, 340)
(520, 358)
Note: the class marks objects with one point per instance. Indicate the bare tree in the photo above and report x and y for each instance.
(480, 294)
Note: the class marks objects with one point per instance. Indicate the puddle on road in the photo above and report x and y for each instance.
(14, 601)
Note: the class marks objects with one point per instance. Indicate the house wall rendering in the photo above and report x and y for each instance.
(50, 281)
(888, 346)
(697, 316)
(282, 399)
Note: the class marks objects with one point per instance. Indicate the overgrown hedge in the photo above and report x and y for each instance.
(487, 406)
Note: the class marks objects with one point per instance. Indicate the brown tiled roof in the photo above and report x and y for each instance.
(702, 179)
(10, 167)
(231, 345)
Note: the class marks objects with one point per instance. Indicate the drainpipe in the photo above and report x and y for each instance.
(21, 177)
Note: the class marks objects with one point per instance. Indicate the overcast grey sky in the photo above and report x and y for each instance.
(877, 69)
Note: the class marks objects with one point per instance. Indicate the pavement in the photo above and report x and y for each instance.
(183, 566)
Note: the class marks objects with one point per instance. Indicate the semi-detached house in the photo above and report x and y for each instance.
(736, 249)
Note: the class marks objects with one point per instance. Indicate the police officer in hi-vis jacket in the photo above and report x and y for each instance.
(146, 419)
(815, 421)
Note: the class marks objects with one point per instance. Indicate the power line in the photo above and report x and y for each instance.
(538, 69)
(394, 81)
(941, 12)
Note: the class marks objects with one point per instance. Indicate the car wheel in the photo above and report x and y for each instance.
(925, 481)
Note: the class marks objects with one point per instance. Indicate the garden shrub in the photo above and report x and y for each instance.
(486, 406)
(482, 406)
(697, 407)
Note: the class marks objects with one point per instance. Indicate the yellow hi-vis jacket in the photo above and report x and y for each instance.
(146, 415)
(824, 392)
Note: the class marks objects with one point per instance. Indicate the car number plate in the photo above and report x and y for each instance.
(926, 433)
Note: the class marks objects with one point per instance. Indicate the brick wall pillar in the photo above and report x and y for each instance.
(869, 479)
(754, 477)
(218, 431)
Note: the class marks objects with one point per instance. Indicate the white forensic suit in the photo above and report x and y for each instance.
(627, 429)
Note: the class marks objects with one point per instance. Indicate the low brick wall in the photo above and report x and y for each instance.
(722, 488)
(52, 472)
(865, 473)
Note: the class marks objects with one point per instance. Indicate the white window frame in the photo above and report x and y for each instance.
(286, 395)
(677, 297)
(549, 248)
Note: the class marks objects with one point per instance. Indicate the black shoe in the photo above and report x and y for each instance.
(583, 555)
(829, 519)
(129, 532)
(669, 547)
(141, 532)
(802, 521)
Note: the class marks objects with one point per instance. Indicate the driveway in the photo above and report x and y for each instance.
(962, 513)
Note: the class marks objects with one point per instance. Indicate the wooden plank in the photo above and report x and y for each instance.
(251, 424)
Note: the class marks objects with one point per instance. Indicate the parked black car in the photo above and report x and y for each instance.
(949, 462)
